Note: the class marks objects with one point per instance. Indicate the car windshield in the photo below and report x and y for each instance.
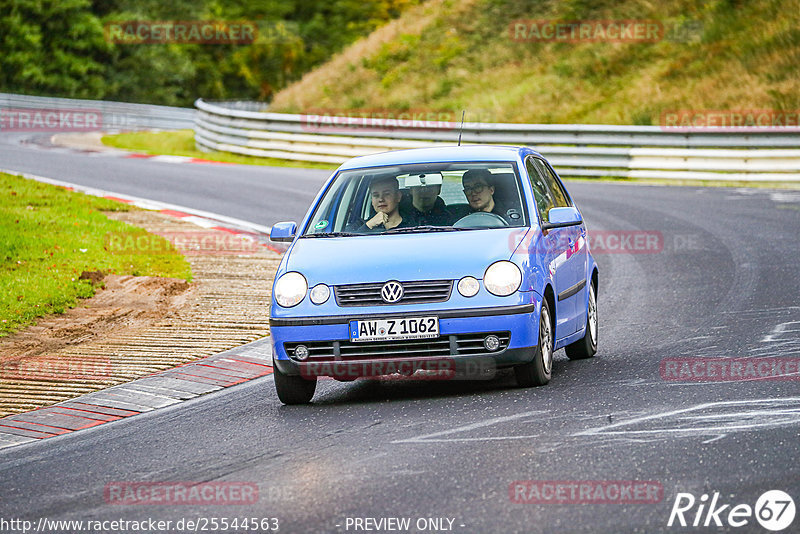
(441, 197)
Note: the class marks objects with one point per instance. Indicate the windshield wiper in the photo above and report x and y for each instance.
(427, 228)
(332, 234)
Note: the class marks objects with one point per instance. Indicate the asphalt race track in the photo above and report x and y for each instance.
(722, 283)
(263, 195)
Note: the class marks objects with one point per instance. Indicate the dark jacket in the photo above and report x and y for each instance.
(438, 216)
(502, 211)
(499, 209)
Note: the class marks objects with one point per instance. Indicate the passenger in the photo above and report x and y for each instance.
(427, 208)
(385, 196)
(479, 190)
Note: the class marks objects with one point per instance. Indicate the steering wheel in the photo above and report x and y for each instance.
(481, 219)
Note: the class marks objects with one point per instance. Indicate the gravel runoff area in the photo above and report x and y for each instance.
(137, 326)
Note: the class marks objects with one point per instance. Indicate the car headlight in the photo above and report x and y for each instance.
(290, 289)
(320, 294)
(468, 286)
(502, 278)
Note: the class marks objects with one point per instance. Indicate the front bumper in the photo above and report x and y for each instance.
(519, 323)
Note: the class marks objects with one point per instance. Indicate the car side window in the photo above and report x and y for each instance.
(541, 193)
(559, 195)
(346, 199)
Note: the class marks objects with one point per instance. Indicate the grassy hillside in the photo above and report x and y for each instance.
(448, 55)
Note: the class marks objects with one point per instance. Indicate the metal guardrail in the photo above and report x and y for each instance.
(114, 116)
(575, 150)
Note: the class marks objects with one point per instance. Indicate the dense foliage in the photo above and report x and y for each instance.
(60, 48)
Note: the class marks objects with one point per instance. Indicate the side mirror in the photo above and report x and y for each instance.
(561, 217)
(283, 231)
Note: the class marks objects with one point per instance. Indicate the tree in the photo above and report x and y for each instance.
(52, 47)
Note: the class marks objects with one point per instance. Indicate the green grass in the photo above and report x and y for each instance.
(49, 236)
(181, 143)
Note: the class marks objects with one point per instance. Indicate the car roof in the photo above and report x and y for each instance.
(441, 154)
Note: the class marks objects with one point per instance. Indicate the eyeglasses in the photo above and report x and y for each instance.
(477, 189)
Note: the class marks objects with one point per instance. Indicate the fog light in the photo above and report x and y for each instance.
(492, 343)
(301, 352)
(320, 294)
(468, 286)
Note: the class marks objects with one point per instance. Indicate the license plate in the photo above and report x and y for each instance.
(394, 329)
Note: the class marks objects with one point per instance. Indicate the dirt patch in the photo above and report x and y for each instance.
(124, 302)
(136, 326)
(95, 276)
(88, 141)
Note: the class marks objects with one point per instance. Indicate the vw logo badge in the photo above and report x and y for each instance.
(391, 291)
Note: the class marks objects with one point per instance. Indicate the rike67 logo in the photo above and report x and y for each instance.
(774, 510)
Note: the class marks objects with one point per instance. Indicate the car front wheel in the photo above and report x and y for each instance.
(586, 347)
(294, 389)
(537, 372)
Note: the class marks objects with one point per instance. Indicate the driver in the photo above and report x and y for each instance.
(385, 196)
(479, 190)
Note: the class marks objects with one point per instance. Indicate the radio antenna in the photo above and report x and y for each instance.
(462, 127)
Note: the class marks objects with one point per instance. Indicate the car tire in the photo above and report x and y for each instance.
(537, 372)
(586, 347)
(294, 389)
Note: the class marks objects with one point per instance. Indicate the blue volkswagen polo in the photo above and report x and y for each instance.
(433, 261)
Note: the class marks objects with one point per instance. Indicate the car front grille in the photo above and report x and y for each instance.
(463, 344)
(415, 292)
